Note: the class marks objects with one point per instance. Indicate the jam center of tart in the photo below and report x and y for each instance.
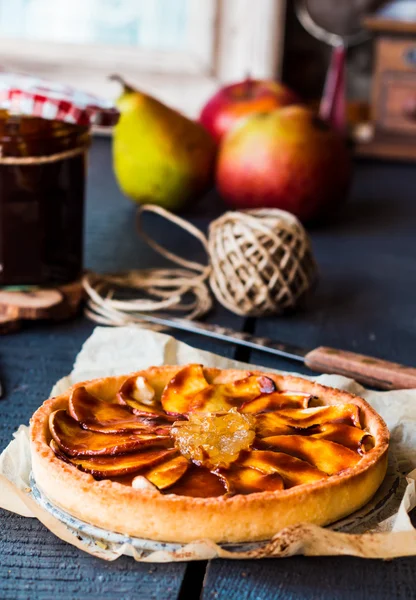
(214, 440)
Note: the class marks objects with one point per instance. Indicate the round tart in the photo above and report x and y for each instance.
(178, 454)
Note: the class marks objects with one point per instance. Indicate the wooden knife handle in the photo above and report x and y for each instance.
(365, 369)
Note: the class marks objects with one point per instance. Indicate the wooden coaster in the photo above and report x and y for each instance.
(8, 324)
(57, 303)
(31, 304)
(72, 294)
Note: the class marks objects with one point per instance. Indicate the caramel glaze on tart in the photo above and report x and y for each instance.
(193, 438)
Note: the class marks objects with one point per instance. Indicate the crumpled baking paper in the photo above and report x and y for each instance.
(382, 529)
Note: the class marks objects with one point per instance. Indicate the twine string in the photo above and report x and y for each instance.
(262, 261)
(259, 263)
(179, 260)
(40, 160)
(181, 289)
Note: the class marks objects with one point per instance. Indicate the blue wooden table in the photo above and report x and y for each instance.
(365, 302)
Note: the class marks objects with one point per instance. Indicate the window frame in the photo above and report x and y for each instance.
(241, 39)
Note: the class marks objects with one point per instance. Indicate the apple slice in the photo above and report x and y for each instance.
(225, 396)
(137, 394)
(327, 456)
(302, 418)
(178, 395)
(276, 401)
(103, 467)
(244, 480)
(189, 392)
(141, 483)
(166, 474)
(139, 389)
(350, 437)
(292, 470)
(349, 414)
(198, 482)
(75, 441)
(139, 409)
(100, 416)
(271, 424)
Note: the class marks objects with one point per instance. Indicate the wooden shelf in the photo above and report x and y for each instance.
(388, 148)
(380, 25)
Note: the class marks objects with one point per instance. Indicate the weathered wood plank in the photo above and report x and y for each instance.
(306, 578)
(364, 303)
(366, 295)
(35, 564)
(32, 360)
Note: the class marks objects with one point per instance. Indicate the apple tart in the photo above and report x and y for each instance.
(178, 454)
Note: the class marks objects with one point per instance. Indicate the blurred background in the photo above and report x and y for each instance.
(182, 51)
(352, 63)
(199, 44)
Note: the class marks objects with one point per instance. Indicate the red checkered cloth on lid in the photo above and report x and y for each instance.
(26, 95)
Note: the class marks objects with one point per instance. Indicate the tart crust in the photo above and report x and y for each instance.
(147, 513)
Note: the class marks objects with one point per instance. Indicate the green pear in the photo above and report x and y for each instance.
(160, 156)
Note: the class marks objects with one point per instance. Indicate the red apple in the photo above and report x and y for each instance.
(288, 159)
(233, 102)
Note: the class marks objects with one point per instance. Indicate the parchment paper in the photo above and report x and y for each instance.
(382, 529)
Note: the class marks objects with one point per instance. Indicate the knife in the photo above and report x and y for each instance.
(368, 370)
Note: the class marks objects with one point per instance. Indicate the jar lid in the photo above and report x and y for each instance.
(27, 95)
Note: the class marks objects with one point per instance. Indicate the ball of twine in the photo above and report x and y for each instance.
(260, 262)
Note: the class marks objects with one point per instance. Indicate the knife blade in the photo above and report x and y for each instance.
(368, 370)
(225, 334)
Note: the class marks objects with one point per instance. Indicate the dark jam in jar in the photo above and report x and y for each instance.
(42, 181)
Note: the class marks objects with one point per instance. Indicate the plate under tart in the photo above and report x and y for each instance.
(97, 537)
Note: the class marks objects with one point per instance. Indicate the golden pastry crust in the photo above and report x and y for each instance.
(147, 513)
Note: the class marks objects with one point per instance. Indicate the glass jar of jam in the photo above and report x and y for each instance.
(42, 181)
